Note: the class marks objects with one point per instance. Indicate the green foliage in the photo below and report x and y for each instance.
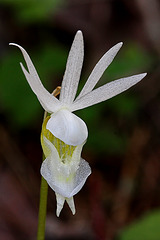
(107, 140)
(146, 228)
(32, 10)
(125, 105)
(131, 59)
(102, 131)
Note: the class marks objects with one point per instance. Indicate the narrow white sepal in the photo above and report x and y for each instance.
(99, 69)
(106, 91)
(60, 203)
(67, 127)
(44, 106)
(49, 102)
(73, 70)
(71, 204)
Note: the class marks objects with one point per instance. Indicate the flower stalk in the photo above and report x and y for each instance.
(42, 209)
(44, 192)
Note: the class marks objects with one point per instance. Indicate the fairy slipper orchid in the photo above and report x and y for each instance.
(63, 133)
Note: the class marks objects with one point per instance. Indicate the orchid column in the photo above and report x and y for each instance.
(63, 133)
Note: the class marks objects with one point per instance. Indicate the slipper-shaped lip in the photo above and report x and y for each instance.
(67, 127)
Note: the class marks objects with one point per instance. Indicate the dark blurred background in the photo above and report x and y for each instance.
(121, 199)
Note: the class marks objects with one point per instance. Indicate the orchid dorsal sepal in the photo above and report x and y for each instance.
(73, 70)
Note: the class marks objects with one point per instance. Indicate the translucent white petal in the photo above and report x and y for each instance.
(60, 176)
(44, 106)
(50, 150)
(55, 179)
(65, 179)
(107, 91)
(60, 203)
(67, 127)
(54, 157)
(48, 101)
(81, 176)
(99, 69)
(70, 202)
(73, 70)
(49, 170)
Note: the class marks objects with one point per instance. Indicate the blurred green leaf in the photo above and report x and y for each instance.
(103, 136)
(132, 59)
(106, 140)
(124, 105)
(146, 228)
(33, 10)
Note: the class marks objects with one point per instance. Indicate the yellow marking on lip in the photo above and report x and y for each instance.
(65, 151)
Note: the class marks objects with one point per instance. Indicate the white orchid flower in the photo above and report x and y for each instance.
(64, 124)
(64, 134)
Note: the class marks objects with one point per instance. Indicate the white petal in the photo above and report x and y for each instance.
(70, 202)
(67, 127)
(73, 70)
(48, 101)
(65, 179)
(62, 177)
(99, 69)
(82, 174)
(60, 203)
(107, 91)
(49, 149)
(49, 171)
(57, 181)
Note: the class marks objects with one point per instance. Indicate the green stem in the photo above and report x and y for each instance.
(44, 193)
(42, 209)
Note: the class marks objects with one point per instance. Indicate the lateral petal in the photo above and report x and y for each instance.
(47, 100)
(73, 70)
(107, 91)
(99, 69)
(67, 127)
